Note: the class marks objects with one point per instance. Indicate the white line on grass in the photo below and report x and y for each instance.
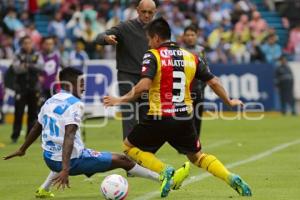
(217, 144)
(229, 166)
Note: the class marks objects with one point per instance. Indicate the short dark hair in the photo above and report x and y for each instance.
(69, 75)
(191, 28)
(23, 39)
(47, 38)
(159, 27)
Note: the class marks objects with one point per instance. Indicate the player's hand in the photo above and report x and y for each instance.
(17, 153)
(111, 101)
(62, 180)
(236, 102)
(111, 39)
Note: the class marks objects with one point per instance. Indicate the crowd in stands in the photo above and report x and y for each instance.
(232, 31)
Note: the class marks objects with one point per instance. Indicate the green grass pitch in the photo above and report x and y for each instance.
(266, 153)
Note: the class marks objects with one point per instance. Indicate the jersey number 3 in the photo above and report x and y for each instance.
(179, 84)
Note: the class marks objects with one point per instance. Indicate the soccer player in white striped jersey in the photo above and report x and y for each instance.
(64, 152)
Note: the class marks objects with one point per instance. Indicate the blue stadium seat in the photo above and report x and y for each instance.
(41, 22)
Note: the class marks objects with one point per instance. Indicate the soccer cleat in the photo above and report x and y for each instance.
(166, 178)
(238, 184)
(180, 175)
(43, 194)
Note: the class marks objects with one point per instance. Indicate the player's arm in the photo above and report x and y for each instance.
(34, 133)
(216, 86)
(148, 73)
(203, 73)
(62, 180)
(143, 85)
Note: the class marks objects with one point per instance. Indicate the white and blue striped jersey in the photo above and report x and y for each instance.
(60, 110)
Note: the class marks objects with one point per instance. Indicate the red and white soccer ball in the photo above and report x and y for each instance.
(114, 187)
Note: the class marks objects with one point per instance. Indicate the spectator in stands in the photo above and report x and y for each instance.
(242, 29)
(258, 25)
(78, 56)
(75, 26)
(130, 12)
(57, 27)
(271, 50)
(27, 66)
(68, 8)
(177, 29)
(12, 22)
(284, 81)
(241, 7)
(90, 14)
(51, 65)
(253, 48)
(34, 34)
(64, 51)
(175, 14)
(227, 25)
(131, 42)
(6, 47)
(116, 11)
(209, 27)
(239, 52)
(294, 42)
(218, 55)
(89, 36)
(215, 37)
(24, 18)
(216, 14)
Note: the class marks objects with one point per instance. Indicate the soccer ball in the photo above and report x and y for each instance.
(114, 187)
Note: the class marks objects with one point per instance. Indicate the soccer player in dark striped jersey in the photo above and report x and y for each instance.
(167, 73)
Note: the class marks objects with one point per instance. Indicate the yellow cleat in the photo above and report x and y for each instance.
(180, 175)
(43, 194)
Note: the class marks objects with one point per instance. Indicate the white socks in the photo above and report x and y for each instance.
(140, 171)
(48, 182)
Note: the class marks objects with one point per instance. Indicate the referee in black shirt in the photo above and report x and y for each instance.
(131, 42)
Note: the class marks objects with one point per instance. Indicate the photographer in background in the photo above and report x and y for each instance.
(27, 66)
(284, 81)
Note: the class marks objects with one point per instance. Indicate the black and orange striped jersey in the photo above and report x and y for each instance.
(172, 69)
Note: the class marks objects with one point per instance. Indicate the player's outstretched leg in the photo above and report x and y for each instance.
(150, 161)
(211, 164)
(44, 190)
(122, 161)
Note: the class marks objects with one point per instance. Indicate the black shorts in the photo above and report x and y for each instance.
(150, 135)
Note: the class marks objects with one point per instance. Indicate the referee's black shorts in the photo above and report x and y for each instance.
(150, 135)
